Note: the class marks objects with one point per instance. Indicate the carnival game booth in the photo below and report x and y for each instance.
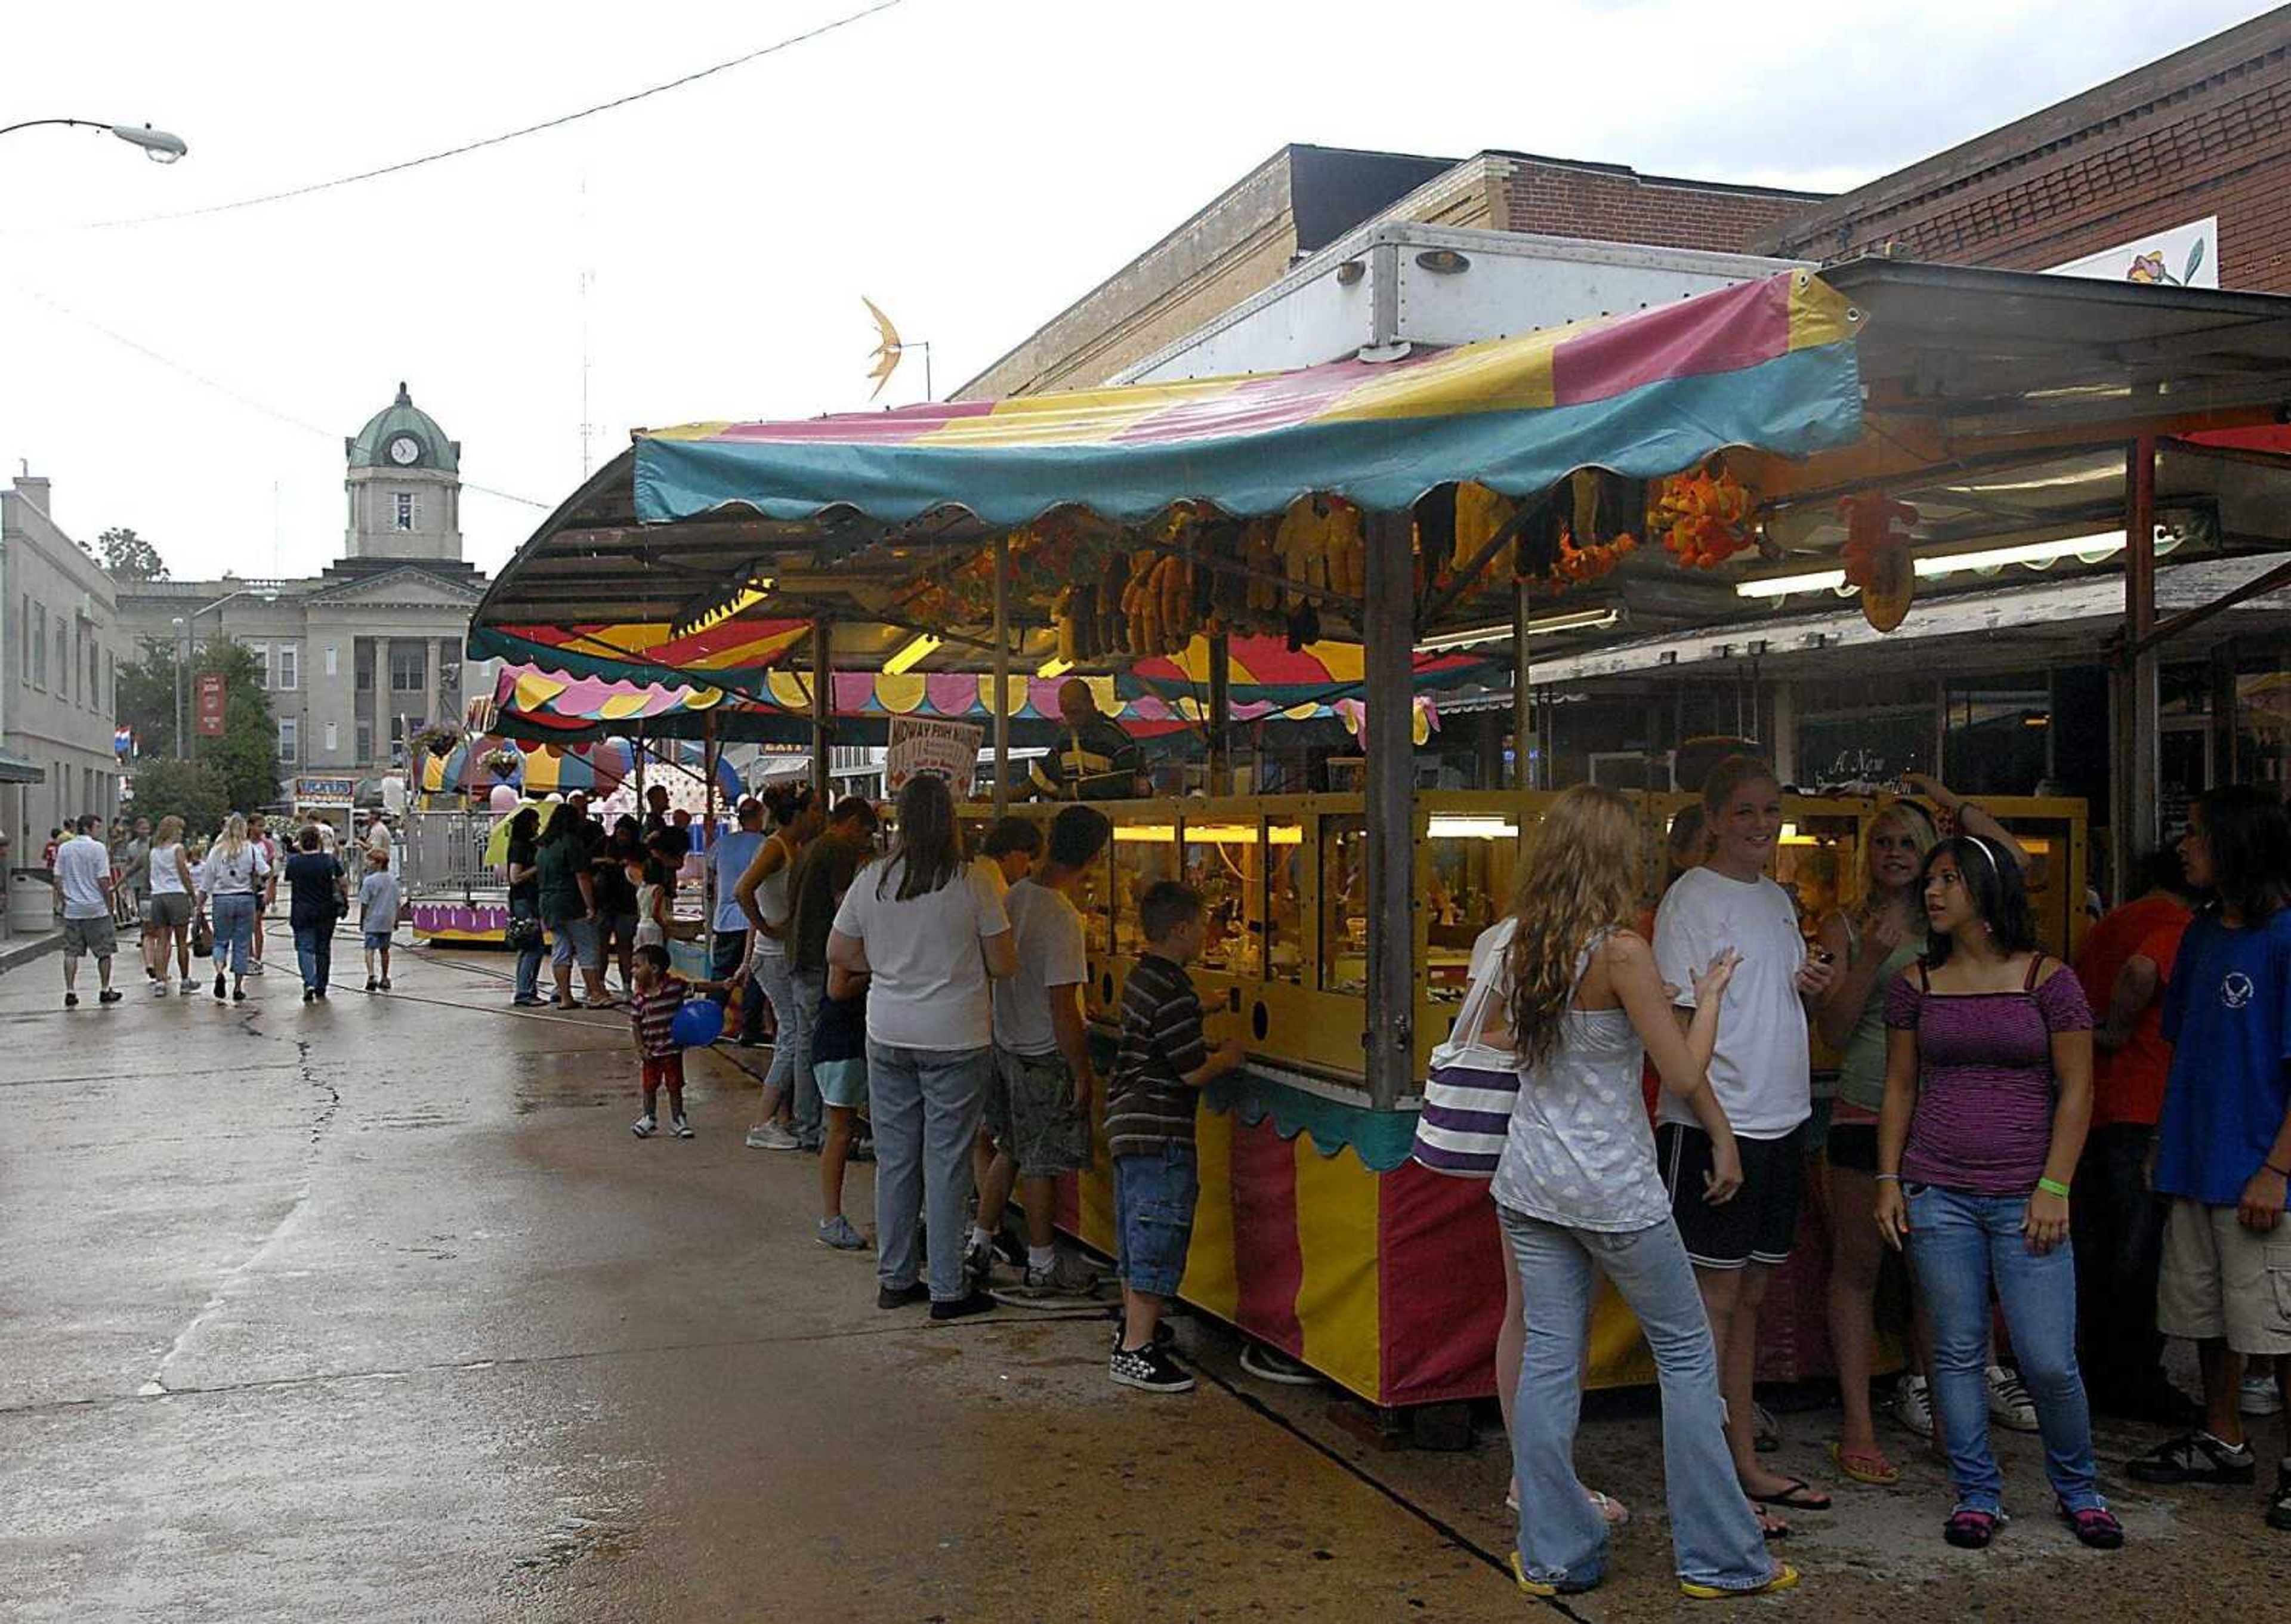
(1521, 494)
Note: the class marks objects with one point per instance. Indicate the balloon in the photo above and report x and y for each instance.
(697, 1024)
(503, 798)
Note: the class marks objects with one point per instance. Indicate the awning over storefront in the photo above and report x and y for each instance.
(20, 770)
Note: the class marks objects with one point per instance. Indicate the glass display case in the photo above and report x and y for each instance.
(1287, 944)
(1144, 854)
(1225, 861)
(1472, 858)
(1344, 904)
(1818, 861)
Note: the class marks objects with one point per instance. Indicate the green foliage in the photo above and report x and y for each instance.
(147, 699)
(189, 790)
(246, 758)
(128, 557)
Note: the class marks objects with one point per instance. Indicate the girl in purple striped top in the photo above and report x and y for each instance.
(1988, 1093)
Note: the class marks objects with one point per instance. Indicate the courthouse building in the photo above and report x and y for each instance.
(369, 651)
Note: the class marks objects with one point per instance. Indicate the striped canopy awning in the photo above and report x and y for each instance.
(599, 766)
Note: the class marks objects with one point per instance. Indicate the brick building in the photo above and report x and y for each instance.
(1302, 198)
(2203, 132)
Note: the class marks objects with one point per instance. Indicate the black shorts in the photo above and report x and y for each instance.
(1759, 1224)
(1853, 1146)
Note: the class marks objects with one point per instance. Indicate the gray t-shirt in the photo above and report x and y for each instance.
(1046, 930)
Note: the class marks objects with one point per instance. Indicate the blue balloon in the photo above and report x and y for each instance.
(697, 1024)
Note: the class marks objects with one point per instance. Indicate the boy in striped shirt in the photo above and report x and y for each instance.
(1163, 1063)
(655, 994)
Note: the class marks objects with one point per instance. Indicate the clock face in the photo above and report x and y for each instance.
(403, 449)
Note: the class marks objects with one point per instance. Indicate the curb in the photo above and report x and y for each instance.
(18, 953)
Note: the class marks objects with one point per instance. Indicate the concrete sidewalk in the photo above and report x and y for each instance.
(375, 1309)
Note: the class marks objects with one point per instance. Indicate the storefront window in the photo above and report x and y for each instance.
(1344, 904)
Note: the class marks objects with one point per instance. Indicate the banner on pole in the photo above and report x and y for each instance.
(210, 704)
(943, 750)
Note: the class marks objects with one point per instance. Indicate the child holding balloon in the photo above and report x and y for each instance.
(665, 1026)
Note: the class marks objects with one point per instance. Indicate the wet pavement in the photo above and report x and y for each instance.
(375, 1309)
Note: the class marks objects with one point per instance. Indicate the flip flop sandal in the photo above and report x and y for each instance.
(2095, 1526)
(1785, 1577)
(1616, 1514)
(1796, 1495)
(1868, 1466)
(1771, 1529)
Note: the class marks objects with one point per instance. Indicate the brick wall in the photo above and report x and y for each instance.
(2167, 147)
(1617, 205)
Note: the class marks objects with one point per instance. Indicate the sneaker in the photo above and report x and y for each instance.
(109, 995)
(1165, 1336)
(2195, 1457)
(385, 984)
(977, 1260)
(962, 1307)
(71, 1000)
(2259, 1396)
(837, 1234)
(371, 983)
(644, 1127)
(902, 1297)
(159, 987)
(526, 1003)
(254, 967)
(1913, 1404)
(1068, 1280)
(863, 1151)
(2009, 1403)
(188, 988)
(1149, 1370)
(238, 995)
(309, 993)
(220, 993)
(771, 1135)
(2279, 1510)
(680, 1128)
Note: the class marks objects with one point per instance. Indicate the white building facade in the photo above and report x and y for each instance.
(61, 640)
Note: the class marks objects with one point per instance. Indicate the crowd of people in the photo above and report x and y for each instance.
(211, 899)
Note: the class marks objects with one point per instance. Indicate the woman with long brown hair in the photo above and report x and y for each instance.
(1579, 1003)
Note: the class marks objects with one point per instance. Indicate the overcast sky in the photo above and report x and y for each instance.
(972, 165)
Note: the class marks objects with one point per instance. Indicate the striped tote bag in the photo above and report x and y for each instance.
(1468, 1089)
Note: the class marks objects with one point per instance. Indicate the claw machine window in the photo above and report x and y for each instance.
(1818, 861)
(1344, 904)
(1225, 861)
(1473, 857)
(1288, 945)
(1144, 854)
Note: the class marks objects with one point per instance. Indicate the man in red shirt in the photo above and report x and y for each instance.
(2117, 1222)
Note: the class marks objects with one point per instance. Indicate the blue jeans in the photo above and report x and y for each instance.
(731, 947)
(772, 976)
(1960, 1244)
(810, 987)
(925, 1104)
(314, 947)
(1154, 1193)
(1563, 1539)
(234, 930)
(528, 960)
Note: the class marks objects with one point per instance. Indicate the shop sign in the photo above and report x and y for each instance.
(2185, 257)
(324, 791)
(944, 749)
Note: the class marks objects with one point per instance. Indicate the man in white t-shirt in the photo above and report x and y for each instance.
(1761, 1072)
(1038, 1105)
(83, 883)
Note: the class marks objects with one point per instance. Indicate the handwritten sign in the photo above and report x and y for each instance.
(943, 750)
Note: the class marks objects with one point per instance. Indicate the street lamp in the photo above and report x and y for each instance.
(183, 625)
(157, 145)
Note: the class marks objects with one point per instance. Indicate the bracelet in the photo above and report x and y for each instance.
(2052, 1186)
(1887, 1177)
(2278, 1172)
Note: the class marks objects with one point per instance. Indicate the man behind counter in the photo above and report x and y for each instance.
(1093, 760)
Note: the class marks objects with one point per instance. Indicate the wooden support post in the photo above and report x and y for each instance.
(1002, 673)
(1220, 721)
(822, 702)
(2137, 770)
(1522, 662)
(708, 826)
(1388, 632)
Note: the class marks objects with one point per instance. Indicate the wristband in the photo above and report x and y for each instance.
(1887, 1177)
(2052, 1186)
(2278, 1171)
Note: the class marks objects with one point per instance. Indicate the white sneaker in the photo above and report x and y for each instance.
(680, 1128)
(2259, 1396)
(1913, 1404)
(159, 989)
(644, 1127)
(771, 1135)
(254, 967)
(2009, 1404)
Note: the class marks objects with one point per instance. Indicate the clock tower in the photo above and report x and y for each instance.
(404, 486)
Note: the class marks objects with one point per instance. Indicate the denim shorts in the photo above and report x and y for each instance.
(1154, 1197)
(843, 1083)
(574, 941)
(377, 938)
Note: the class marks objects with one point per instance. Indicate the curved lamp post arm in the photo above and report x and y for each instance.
(157, 145)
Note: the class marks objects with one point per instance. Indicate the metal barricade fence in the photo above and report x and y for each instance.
(446, 856)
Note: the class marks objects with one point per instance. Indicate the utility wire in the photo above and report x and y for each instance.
(226, 390)
(495, 140)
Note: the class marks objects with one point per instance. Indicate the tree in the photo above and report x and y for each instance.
(189, 790)
(246, 758)
(146, 698)
(129, 557)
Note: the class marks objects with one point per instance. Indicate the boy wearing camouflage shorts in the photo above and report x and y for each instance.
(1038, 1105)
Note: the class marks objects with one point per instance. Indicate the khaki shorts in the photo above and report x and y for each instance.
(1030, 1111)
(98, 936)
(2221, 1279)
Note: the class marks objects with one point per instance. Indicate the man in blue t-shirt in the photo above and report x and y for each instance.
(2224, 1144)
(729, 859)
